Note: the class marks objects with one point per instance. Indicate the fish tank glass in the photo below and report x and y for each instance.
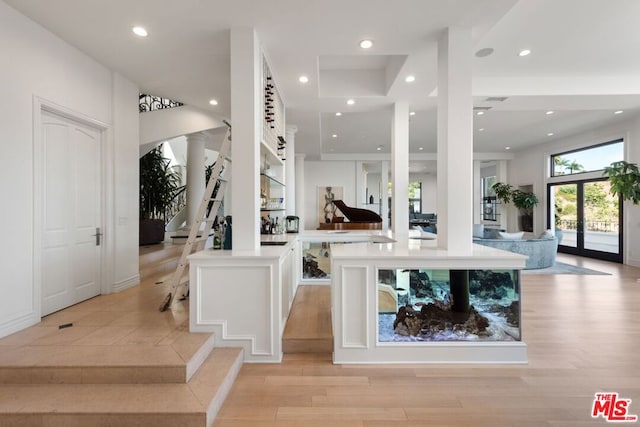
(448, 305)
(316, 261)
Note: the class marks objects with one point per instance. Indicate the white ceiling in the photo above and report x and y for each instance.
(584, 63)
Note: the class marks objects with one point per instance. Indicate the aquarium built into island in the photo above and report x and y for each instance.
(415, 303)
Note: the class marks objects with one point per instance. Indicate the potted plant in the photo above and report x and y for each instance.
(525, 201)
(624, 178)
(158, 186)
(502, 191)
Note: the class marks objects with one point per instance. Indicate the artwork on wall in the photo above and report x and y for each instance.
(326, 207)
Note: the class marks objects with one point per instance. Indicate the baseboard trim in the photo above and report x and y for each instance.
(633, 262)
(14, 325)
(126, 283)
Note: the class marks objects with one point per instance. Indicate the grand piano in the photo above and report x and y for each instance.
(357, 219)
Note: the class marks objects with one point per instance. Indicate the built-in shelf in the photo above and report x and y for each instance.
(271, 156)
(271, 180)
(271, 194)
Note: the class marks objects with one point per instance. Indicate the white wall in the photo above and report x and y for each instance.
(530, 167)
(327, 173)
(429, 191)
(36, 63)
(126, 179)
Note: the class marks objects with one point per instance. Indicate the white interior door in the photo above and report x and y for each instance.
(71, 212)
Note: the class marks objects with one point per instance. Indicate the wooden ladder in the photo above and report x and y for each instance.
(195, 243)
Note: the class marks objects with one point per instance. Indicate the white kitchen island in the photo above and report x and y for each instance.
(244, 297)
(355, 307)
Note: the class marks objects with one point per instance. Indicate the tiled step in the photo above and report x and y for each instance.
(194, 404)
(174, 359)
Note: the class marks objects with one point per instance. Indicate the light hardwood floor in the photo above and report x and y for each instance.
(583, 336)
(308, 328)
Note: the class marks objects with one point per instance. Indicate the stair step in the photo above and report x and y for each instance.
(194, 404)
(174, 360)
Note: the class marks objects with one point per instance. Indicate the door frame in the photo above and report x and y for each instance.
(581, 251)
(41, 105)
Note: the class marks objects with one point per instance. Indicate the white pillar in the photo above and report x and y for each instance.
(503, 211)
(300, 189)
(477, 196)
(290, 169)
(246, 64)
(455, 141)
(361, 184)
(400, 171)
(195, 175)
(384, 195)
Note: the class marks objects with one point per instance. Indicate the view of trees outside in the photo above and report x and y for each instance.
(600, 207)
(588, 159)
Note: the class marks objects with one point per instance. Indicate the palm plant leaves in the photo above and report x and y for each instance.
(158, 184)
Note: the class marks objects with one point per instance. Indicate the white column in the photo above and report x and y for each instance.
(290, 169)
(300, 189)
(455, 141)
(400, 171)
(503, 211)
(384, 195)
(477, 196)
(246, 64)
(195, 175)
(361, 184)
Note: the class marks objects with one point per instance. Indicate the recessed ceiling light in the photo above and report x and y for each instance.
(338, 114)
(550, 134)
(213, 102)
(334, 136)
(410, 79)
(479, 113)
(507, 148)
(618, 112)
(379, 148)
(350, 102)
(420, 148)
(140, 31)
(366, 44)
(549, 112)
(303, 79)
(481, 130)
(412, 113)
(484, 52)
(524, 52)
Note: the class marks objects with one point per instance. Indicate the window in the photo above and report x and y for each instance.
(415, 197)
(588, 159)
(489, 202)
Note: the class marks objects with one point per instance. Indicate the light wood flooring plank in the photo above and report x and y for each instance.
(582, 333)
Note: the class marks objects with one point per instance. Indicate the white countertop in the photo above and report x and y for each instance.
(374, 244)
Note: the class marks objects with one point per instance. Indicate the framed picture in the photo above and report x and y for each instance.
(326, 207)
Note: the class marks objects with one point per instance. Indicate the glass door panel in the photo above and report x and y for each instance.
(601, 228)
(564, 199)
(588, 218)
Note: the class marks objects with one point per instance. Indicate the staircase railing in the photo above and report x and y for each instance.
(178, 202)
(152, 103)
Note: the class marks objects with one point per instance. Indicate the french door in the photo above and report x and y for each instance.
(589, 218)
